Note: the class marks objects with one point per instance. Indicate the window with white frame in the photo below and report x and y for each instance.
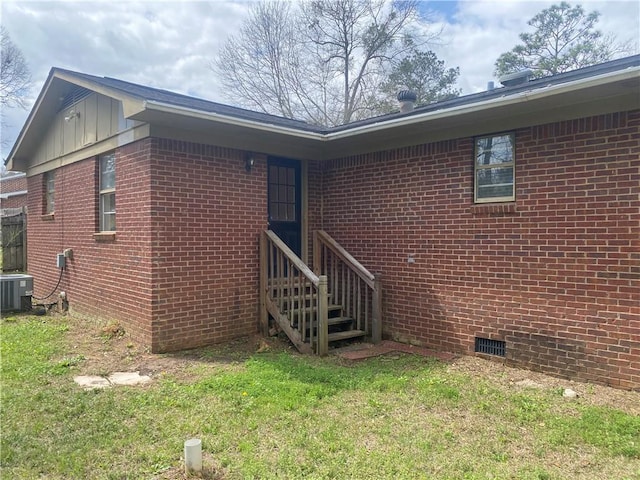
(495, 168)
(108, 192)
(49, 192)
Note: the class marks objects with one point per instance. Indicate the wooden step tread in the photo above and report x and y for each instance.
(330, 308)
(334, 337)
(331, 321)
(338, 320)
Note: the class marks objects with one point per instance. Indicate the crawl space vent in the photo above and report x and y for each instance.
(490, 347)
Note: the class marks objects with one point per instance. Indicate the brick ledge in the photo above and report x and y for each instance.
(493, 208)
(104, 236)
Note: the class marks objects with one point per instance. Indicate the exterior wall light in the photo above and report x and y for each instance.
(72, 114)
(249, 161)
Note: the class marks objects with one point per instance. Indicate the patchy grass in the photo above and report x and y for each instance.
(277, 414)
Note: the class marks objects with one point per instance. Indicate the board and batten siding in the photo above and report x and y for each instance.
(88, 121)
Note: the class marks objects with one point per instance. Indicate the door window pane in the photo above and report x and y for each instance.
(282, 196)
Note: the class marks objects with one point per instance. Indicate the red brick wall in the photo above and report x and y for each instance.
(13, 184)
(9, 185)
(183, 268)
(556, 274)
(106, 279)
(314, 198)
(207, 212)
(15, 201)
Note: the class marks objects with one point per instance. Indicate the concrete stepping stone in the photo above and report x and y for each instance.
(89, 382)
(128, 378)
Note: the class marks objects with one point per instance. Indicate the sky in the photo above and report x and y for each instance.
(171, 44)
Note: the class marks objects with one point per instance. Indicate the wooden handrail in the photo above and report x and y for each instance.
(293, 258)
(346, 257)
(284, 279)
(345, 274)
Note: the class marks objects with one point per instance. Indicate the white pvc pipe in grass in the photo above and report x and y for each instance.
(193, 455)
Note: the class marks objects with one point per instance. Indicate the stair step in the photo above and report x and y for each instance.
(331, 321)
(338, 320)
(330, 309)
(334, 337)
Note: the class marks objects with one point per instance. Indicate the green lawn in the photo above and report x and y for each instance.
(281, 415)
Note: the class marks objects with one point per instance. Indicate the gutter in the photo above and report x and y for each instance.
(505, 100)
(227, 119)
(4, 196)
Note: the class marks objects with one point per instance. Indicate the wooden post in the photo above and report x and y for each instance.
(24, 239)
(316, 254)
(264, 265)
(323, 316)
(376, 321)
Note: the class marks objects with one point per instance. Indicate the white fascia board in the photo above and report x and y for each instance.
(506, 100)
(130, 104)
(4, 196)
(27, 124)
(229, 120)
(526, 96)
(12, 175)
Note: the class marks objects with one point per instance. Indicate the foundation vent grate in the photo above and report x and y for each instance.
(490, 347)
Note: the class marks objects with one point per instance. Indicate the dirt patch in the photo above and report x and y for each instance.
(108, 348)
(511, 378)
(105, 349)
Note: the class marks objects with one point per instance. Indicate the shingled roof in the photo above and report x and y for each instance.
(186, 101)
(604, 88)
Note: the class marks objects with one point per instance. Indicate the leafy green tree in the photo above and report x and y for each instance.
(564, 39)
(425, 75)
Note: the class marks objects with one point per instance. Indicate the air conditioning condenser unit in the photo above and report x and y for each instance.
(15, 292)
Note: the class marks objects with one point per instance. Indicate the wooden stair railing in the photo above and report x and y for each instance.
(350, 284)
(295, 297)
(340, 301)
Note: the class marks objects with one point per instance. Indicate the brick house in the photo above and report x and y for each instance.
(13, 191)
(504, 223)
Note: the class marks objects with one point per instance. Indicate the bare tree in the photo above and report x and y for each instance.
(14, 73)
(14, 80)
(323, 62)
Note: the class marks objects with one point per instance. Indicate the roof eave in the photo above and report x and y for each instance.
(15, 161)
(518, 98)
(151, 105)
(321, 144)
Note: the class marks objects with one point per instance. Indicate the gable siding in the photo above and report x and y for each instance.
(556, 274)
(98, 118)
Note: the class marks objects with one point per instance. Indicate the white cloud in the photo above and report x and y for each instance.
(170, 44)
(480, 31)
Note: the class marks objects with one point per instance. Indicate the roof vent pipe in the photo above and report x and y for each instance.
(490, 86)
(407, 100)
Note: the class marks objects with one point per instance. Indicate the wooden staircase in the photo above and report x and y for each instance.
(316, 311)
(297, 315)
